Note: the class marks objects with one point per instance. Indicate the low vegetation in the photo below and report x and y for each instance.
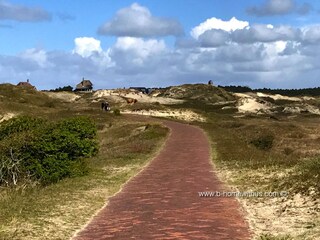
(198, 92)
(32, 149)
(266, 152)
(24, 100)
(62, 89)
(263, 142)
(267, 155)
(116, 112)
(57, 210)
(287, 92)
(61, 162)
(242, 147)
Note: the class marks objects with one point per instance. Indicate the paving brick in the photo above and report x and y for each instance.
(162, 202)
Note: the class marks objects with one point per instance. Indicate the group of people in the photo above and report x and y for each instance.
(105, 106)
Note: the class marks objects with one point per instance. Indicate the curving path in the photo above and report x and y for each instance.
(162, 201)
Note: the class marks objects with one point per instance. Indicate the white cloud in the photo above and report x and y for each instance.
(257, 33)
(21, 13)
(274, 48)
(279, 7)
(137, 21)
(142, 48)
(214, 38)
(311, 34)
(265, 33)
(272, 7)
(215, 23)
(255, 55)
(86, 46)
(280, 46)
(39, 56)
(136, 54)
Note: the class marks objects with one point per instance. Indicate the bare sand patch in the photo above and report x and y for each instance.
(7, 116)
(185, 115)
(130, 93)
(295, 215)
(64, 96)
(247, 103)
(279, 97)
(301, 109)
(254, 103)
(111, 98)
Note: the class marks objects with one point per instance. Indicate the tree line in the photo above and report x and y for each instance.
(62, 89)
(288, 92)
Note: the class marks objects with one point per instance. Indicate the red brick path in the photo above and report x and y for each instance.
(162, 202)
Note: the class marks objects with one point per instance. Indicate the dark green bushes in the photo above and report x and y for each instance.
(61, 89)
(264, 142)
(19, 124)
(305, 178)
(45, 151)
(116, 112)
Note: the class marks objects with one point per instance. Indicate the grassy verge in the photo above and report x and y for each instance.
(57, 211)
(265, 155)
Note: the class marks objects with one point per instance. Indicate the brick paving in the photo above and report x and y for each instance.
(162, 201)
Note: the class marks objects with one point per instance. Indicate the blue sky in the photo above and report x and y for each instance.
(259, 43)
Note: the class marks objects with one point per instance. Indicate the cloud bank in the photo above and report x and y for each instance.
(215, 23)
(137, 21)
(279, 7)
(227, 51)
(21, 13)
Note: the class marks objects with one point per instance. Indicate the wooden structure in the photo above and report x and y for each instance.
(26, 84)
(84, 86)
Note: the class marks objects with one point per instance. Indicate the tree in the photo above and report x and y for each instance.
(62, 89)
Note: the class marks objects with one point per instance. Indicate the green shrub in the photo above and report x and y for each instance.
(303, 179)
(19, 124)
(47, 152)
(49, 104)
(288, 151)
(307, 175)
(264, 142)
(61, 89)
(11, 158)
(116, 112)
(271, 237)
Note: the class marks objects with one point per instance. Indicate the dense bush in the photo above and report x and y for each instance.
(264, 142)
(49, 104)
(116, 112)
(19, 124)
(11, 159)
(308, 175)
(45, 151)
(61, 89)
(288, 92)
(304, 179)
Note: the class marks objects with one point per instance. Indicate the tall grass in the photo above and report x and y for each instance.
(58, 210)
(250, 145)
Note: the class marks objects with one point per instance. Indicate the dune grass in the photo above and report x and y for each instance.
(289, 163)
(252, 153)
(58, 210)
